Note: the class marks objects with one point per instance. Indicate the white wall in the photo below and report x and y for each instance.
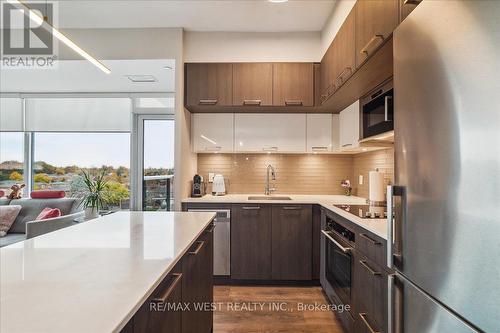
(334, 22)
(252, 47)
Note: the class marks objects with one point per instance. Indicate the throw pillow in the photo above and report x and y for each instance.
(8, 215)
(47, 194)
(48, 213)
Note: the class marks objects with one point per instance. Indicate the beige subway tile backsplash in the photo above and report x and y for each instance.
(295, 173)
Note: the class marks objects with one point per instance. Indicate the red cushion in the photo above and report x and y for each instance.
(48, 213)
(47, 194)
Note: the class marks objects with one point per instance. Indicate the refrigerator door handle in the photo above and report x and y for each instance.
(394, 304)
(390, 227)
(396, 215)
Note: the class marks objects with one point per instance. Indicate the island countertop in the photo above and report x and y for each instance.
(92, 277)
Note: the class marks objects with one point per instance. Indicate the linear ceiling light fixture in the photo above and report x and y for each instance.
(35, 17)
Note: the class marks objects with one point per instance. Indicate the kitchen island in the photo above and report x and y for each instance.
(95, 276)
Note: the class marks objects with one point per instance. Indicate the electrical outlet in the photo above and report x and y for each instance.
(360, 179)
(211, 177)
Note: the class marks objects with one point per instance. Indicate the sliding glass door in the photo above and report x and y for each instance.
(156, 164)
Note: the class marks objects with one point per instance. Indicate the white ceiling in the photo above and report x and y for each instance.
(197, 15)
(82, 76)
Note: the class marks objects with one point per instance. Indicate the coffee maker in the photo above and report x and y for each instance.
(198, 188)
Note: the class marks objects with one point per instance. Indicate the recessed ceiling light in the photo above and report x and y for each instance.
(277, 1)
(141, 78)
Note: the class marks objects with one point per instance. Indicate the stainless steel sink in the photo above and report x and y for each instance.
(266, 197)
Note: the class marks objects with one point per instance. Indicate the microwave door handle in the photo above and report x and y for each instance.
(386, 107)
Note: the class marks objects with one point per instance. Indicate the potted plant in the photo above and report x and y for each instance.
(94, 193)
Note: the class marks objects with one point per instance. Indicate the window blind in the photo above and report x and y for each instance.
(78, 114)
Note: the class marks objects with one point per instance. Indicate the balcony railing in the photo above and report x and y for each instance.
(158, 193)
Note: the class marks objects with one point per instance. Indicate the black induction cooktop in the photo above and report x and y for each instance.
(365, 211)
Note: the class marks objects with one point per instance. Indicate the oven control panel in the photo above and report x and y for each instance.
(340, 230)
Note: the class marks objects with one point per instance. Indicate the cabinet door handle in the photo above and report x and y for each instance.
(367, 46)
(319, 148)
(411, 2)
(208, 101)
(216, 148)
(252, 102)
(371, 240)
(163, 298)
(368, 268)
(251, 208)
(341, 75)
(292, 208)
(293, 103)
(212, 228)
(198, 248)
(270, 149)
(367, 324)
(347, 144)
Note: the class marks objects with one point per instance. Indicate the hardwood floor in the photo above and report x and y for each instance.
(272, 309)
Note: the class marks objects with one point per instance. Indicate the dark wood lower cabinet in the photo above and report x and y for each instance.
(197, 287)
(291, 242)
(189, 282)
(370, 284)
(316, 241)
(251, 242)
(160, 313)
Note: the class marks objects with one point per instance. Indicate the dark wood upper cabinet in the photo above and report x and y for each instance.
(253, 84)
(251, 242)
(291, 242)
(209, 84)
(375, 22)
(293, 84)
(407, 6)
(339, 62)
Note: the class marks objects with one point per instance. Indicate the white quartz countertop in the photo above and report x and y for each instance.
(92, 277)
(376, 226)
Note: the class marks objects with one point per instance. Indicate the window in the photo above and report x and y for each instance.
(61, 157)
(11, 160)
(158, 168)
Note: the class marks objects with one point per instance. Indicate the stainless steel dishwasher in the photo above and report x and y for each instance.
(222, 239)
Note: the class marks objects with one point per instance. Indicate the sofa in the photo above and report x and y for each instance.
(25, 226)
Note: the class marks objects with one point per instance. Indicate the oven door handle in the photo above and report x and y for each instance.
(344, 249)
(386, 107)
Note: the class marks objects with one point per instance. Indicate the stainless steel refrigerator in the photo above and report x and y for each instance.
(444, 242)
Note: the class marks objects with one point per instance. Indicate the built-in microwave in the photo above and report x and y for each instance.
(377, 109)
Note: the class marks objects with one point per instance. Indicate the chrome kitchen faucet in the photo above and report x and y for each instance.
(268, 189)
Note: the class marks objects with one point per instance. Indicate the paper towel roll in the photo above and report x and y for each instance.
(376, 186)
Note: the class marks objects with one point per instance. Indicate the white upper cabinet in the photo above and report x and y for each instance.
(212, 132)
(270, 132)
(335, 132)
(349, 127)
(319, 132)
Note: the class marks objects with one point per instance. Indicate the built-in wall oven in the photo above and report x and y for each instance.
(337, 261)
(377, 110)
